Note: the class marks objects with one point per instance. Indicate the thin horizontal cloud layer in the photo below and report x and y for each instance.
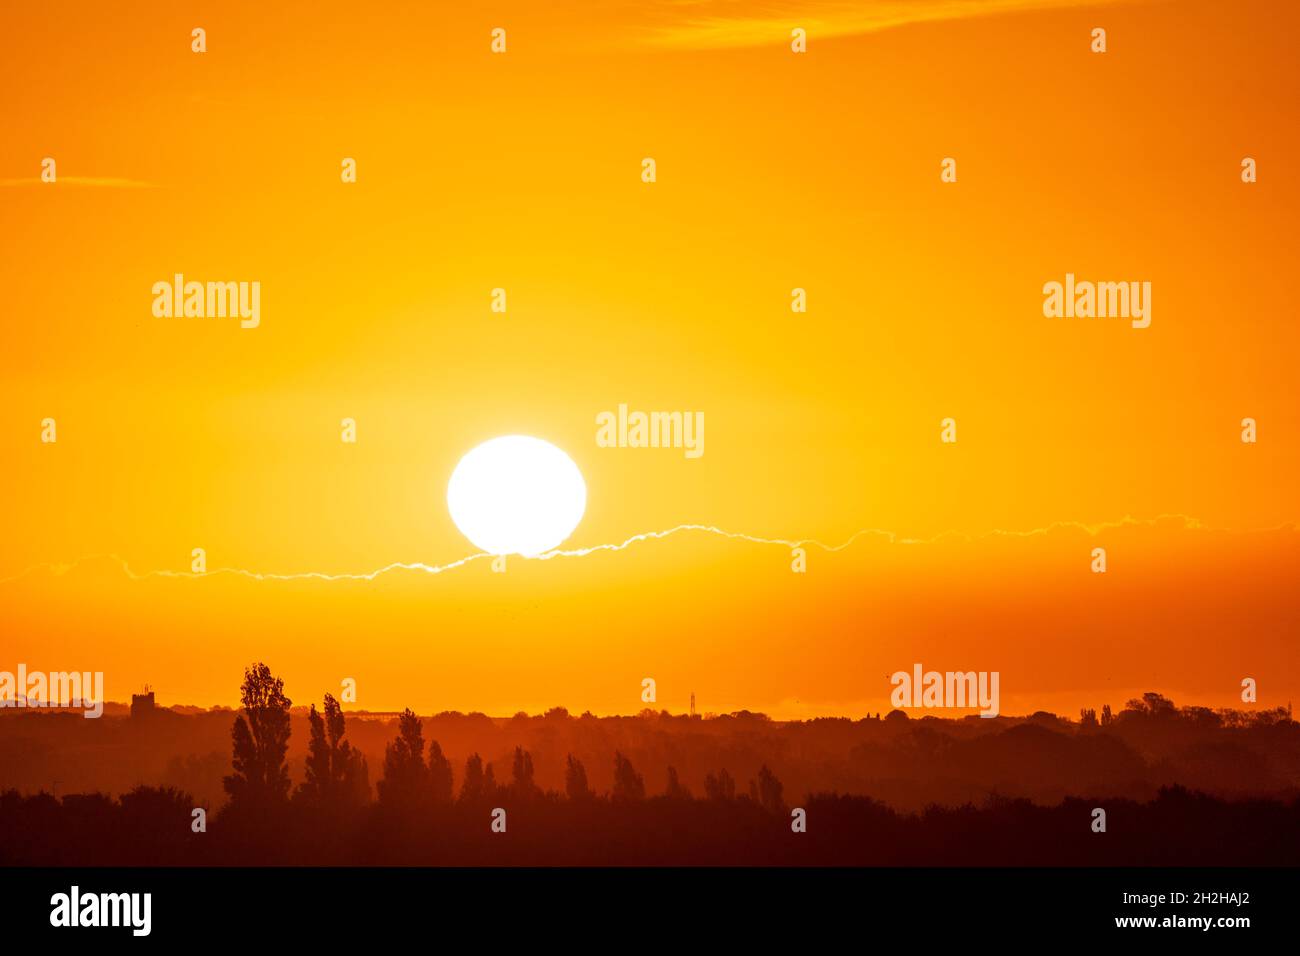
(705, 24)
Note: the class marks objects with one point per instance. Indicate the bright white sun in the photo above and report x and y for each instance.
(516, 495)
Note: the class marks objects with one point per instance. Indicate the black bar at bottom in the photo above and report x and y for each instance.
(303, 905)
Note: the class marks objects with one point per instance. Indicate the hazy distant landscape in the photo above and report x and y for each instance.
(905, 763)
(660, 788)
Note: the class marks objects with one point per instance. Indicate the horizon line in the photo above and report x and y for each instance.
(646, 713)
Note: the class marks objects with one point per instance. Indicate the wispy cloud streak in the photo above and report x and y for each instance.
(59, 569)
(706, 24)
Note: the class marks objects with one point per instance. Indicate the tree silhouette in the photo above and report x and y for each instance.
(336, 774)
(1243, 763)
(628, 784)
(349, 773)
(472, 789)
(405, 784)
(440, 782)
(1152, 705)
(316, 785)
(356, 780)
(721, 787)
(675, 790)
(260, 739)
(575, 780)
(521, 772)
(769, 791)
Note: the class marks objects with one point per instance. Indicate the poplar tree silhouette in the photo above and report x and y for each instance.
(628, 784)
(405, 784)
(316, 782)
(336, 774)
(349, 772)
(575, 780)
(770, 791)
(472, 789)
(523, 785)
(675, 790)
(720, 787)
(260, 739)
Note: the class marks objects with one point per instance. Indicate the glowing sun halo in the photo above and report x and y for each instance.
(516, 495)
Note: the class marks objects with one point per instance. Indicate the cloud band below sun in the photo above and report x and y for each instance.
(59, 569)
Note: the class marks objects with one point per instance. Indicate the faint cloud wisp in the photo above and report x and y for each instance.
(712, 24)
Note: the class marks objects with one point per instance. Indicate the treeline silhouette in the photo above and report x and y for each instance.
(152, 826)
(423, 810)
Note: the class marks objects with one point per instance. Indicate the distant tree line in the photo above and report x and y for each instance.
(423, 814)
(416, 775)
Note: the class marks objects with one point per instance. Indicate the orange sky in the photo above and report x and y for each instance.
(775, 171)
